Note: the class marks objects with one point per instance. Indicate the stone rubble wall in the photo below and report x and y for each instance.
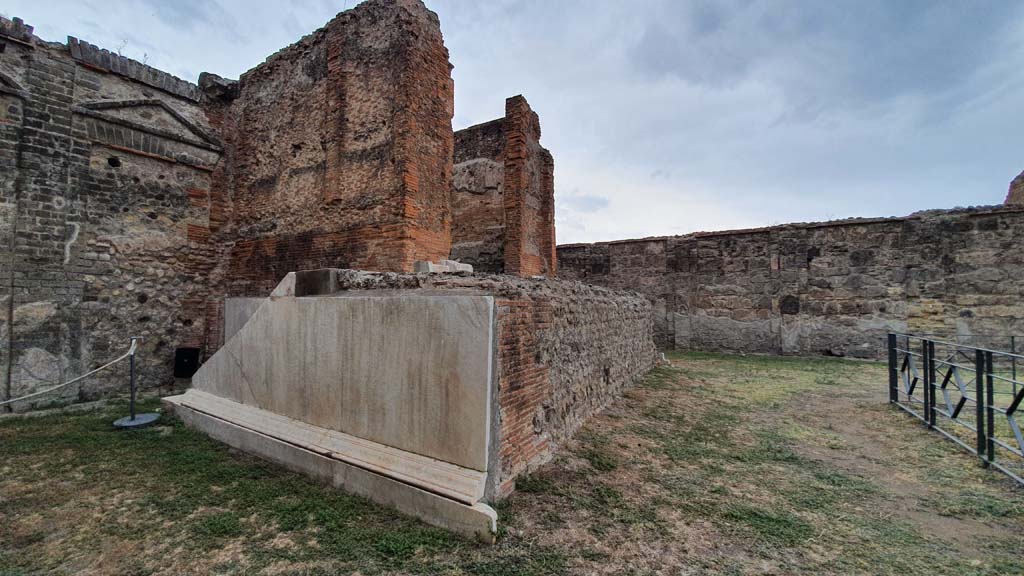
(478, 223)
(565, 350)
(132, 202)
(503, 195)
(103, 181)
(830, 288)
(1015, 195)
(338, 153)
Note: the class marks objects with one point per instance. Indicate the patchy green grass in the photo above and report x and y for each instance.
(774, 526)
(716, 464)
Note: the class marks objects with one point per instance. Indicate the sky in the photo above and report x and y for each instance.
(674, 116)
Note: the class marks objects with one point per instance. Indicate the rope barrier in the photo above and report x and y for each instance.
(130, 352)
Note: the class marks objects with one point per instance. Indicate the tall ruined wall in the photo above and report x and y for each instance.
(564, 351)
(132, 202)
(478, 205)
(104, 168)
(529, 194)
(503, 195)
(832, 288)
(339, 151)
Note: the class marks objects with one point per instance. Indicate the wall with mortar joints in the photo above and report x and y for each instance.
(12, 100)
(829, 288)
(127, 197)
(529, 224)
(110, 175)
(337, 153)
(478, 209)
(107, 61)
(503, 195)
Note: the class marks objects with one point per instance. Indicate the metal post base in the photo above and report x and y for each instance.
(140, 420)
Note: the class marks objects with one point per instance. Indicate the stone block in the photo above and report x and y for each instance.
(424, 267)
(454, 266)
(477, 520)
(315, 282)
(407, 370)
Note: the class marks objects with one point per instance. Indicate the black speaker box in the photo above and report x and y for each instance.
(186, 362)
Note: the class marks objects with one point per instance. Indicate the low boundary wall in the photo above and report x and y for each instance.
(833, 288)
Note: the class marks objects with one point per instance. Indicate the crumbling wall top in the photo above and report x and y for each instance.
(1015, 196)
(16, 29)
(107, 61)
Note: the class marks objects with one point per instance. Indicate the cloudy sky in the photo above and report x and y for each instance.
(672, 116)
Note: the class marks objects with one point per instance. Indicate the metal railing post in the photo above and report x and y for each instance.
(893, 389)
(131, 376)
(944, 363)
(979, 402)
(926, 381)
(134, 420)
(930, 416)
(990, 428)
(1013, 363)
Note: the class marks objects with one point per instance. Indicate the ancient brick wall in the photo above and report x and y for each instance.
(827, 288)
(478, 206)
(339, 151)
(503, 195)
(565, 350)
(132, 202)
(104, 169)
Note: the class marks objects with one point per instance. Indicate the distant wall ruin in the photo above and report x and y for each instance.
(825, 288)
(503, 195)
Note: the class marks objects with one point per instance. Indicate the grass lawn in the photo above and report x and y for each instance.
(716, 465)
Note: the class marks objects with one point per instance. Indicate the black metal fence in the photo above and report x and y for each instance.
(967, 392)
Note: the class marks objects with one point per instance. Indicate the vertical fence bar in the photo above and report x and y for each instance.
(979, 402)
(930, 415)
(893, 390)
(990, 427)
(1013, 363)
(926, 380)
(131, 371)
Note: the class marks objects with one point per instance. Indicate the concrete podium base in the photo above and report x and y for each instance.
(289, 443)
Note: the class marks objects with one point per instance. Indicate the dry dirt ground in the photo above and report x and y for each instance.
(715, 465)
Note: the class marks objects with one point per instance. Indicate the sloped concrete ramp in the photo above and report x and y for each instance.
(385, 394)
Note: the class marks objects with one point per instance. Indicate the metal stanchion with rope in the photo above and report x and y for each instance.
(133, 420)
